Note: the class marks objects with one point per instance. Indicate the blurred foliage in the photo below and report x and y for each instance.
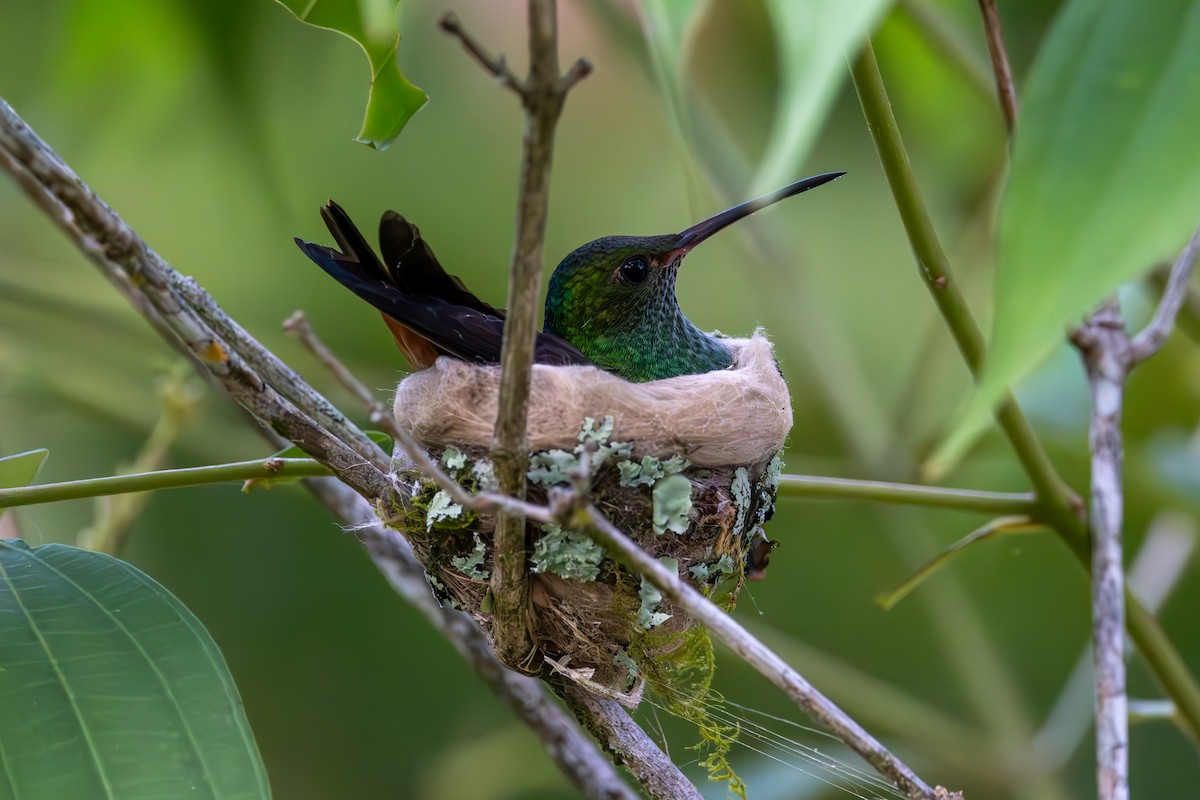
(1105, 178)
(217, 129)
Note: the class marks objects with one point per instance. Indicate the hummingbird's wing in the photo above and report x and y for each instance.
(428, 315)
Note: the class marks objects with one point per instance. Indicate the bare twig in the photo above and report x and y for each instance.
(542, 93)
(1176, 291)
(1109, 354)
(169, 302)
(1188, 320)
(629, 745)
(756, 654)
(1003, 72)
(1154, 574)
(297, 325)
(496, 65)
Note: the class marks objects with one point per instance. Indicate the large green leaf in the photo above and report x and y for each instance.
(813, 39)
(1105, 172)
(110, 688)
(372, 24)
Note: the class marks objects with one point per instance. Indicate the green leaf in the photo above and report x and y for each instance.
(110, 688)
(20, 469)
(372, 25)
(1105, 174)
(813, 39)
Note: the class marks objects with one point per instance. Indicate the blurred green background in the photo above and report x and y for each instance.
(217, 128)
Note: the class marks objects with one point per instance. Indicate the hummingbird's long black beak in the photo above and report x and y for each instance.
(696, 234)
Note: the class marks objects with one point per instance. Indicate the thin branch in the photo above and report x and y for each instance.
(1058, 505)
(1155, 334)
(542, 93)
(1008, 503)
(629, 745)
(240, 471)
(1005, 90)
(1153, 575)
(167, 300)
(757, 655)
(1188, 320)
(297, 325)
(935, 270)
(495, 65)
(1109, 354)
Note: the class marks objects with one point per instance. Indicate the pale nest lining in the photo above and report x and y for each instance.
(739, 415)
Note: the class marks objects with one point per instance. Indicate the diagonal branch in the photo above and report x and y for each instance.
(1155, 334)
(756, 654)
(181, 312)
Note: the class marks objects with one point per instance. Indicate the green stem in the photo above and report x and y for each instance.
(1057, 504)
(908, 494)
(939, 279)
(163, 479)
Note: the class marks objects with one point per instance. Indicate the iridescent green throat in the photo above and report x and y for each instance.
(634, 330)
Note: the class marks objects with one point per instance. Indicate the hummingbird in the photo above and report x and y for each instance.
(610, 303)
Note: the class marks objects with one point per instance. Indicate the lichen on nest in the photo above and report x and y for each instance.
(692, 486)
(589, 612)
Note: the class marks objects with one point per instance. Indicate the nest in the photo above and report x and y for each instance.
(686, 466)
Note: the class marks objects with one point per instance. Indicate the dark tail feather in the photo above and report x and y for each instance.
(414, 268)
(429, 312)
(351, 241)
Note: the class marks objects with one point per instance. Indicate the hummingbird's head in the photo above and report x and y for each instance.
(617, 283)
(622, 288)
(611, 284)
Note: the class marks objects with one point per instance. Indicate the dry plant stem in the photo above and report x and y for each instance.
(1105, 348)
(1005, 89)
(1058, 505)
(136, 270)
(147, 283)
(629, 745)
(1188, 320)
(542, 95)
(377, 414)
(756, 654)
(1109, 354)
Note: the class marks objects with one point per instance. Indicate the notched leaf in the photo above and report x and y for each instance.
(371, 24)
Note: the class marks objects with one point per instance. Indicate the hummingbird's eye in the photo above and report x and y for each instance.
(634, 270)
